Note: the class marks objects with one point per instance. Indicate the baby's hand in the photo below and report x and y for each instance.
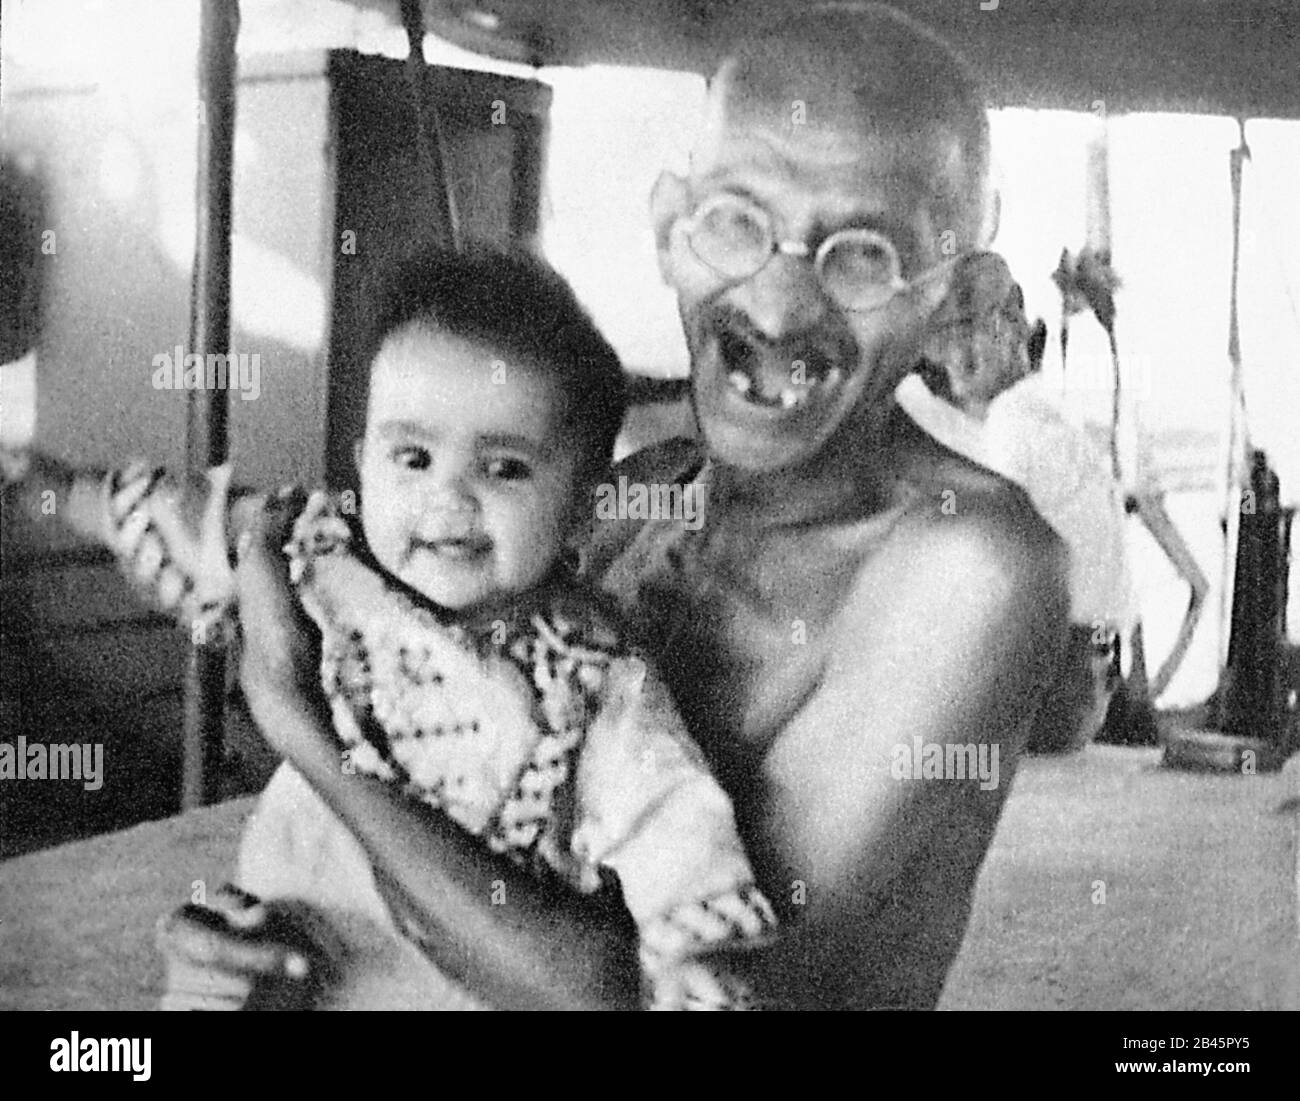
(40, 472)
(15, 462)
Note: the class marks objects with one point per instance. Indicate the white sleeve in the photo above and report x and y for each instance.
(649, 809)
(1033, 443)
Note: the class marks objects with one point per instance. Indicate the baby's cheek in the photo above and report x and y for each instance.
(531, 544)
(383, 536)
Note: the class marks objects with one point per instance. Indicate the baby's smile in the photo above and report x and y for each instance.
(463, 549)
(465, 496)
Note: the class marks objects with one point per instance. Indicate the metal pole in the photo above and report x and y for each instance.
(208, 409)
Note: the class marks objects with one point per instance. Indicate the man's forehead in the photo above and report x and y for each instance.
(794, 142)
(841, 170)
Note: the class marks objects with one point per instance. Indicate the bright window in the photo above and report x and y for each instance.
(612, 132)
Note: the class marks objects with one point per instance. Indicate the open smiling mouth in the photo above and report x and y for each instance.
(465, 549)
(773, 380)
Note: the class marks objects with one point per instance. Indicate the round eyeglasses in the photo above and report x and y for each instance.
(859, 268)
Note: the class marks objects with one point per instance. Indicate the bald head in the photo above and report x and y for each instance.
(870, 71)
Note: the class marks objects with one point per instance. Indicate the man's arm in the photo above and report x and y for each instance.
(950, 638)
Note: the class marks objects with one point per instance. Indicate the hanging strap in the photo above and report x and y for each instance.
(1237, 435)
(1236, 159)
(429, 135)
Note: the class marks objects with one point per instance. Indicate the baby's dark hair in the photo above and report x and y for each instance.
(516, 304)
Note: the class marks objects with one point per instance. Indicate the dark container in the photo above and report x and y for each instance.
(1256, 692)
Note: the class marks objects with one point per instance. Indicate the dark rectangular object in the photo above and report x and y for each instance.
(1255, 690)
(494, 130)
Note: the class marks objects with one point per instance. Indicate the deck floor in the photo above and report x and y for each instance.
(1199, 912)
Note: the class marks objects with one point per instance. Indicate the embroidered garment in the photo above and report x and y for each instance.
(539, 733)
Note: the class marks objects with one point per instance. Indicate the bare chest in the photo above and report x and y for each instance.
(742, 627)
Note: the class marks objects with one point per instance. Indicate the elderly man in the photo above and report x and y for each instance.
(856, 592)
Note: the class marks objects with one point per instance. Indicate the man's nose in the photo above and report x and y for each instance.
(784, 298)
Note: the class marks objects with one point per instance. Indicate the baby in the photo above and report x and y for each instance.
(461, 657)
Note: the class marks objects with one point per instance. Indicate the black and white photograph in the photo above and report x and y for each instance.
(746, 505)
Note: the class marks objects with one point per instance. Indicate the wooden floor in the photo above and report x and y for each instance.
(1199, 874)
(1199, 910)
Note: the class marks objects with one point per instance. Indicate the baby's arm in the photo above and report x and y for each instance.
(39, 486)
(170, 539)
(649, 809)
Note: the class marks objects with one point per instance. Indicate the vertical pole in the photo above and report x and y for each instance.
(1238, 443)
(207, 410)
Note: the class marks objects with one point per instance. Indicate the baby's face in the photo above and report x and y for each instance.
(468, 484)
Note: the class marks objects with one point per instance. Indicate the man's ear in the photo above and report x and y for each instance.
(669, 202)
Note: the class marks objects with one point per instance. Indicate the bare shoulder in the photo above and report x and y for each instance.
(948, 636)
(976, 595)
(968, 531)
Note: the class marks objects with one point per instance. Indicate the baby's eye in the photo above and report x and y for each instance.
(507, 469)
(411, 457)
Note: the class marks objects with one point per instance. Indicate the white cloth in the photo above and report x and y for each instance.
(1030, 438)
(18, 403)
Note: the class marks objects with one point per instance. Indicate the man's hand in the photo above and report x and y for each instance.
(280, 666)
(240, 953)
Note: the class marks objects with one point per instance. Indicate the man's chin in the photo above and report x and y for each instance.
(734, 446)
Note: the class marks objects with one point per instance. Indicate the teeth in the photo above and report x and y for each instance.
(791, 398)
